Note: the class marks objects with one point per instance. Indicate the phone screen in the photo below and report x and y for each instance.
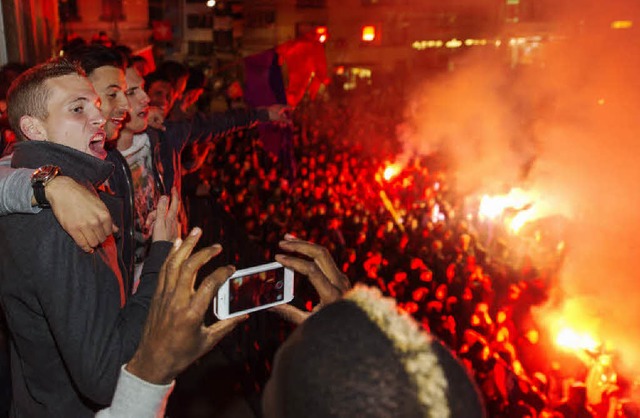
(256, 289)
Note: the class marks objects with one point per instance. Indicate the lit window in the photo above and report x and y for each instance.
(368, 33)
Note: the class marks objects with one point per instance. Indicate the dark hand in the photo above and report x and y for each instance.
(321, 270)
(175, 335)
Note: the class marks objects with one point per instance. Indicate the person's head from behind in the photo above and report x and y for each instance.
(359, 357)
(56, 102)
(8, 73)
(577, 395)
(105, 68)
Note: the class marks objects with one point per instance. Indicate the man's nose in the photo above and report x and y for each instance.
(145, 98)
(97, 119)
(123, 103)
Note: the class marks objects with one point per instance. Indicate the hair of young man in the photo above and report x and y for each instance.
(29, 94)
(173, 71)
(91, 57)
(197, 79)
(156, 76)
(137, 58)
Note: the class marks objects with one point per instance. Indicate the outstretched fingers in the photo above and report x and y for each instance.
(321, 257)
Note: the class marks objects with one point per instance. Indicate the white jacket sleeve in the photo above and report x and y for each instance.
(137, 398)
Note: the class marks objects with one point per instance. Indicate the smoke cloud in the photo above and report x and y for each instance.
(565, 126)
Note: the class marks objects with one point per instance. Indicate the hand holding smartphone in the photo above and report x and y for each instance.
(253, 289)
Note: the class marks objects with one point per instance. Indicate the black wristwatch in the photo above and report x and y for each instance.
(39, 179)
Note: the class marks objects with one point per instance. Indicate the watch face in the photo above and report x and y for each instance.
(45, 174)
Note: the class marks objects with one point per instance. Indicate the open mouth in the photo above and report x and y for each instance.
(118, 121)
(96, 144)
(143, 113)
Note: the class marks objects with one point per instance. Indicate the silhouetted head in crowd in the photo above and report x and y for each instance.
(176, 73)
(101, 38)
(360, 357)
(577, 395)
(167, 84)
(8, 73)
(161, 92)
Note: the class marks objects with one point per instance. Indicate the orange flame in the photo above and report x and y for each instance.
(391, 171)
(575, 328)
(576, 340)
(493, 207)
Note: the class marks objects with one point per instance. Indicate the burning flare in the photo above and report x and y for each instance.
(575, 340)
(391, 171)
(516, 207)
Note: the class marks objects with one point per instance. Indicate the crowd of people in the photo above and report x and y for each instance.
(418, 248)
(324, 184)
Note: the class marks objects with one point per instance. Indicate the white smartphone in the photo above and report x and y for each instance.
(252, 289)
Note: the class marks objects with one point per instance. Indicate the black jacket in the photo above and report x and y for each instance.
(167, 145)
(71, 320)
(121, 185)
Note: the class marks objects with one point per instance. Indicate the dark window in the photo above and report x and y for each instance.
(200, 48)
(223, 40)
(155, 11)
(112, 10)
(68, 10)
(200, 20)
(260, 18)
(302, 28)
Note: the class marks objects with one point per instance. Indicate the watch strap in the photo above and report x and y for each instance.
(39, 179)
(40, 195)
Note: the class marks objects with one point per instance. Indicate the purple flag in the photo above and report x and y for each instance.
(264, 85)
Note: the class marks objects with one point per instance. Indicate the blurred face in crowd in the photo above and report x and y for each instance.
(138, 102)
(73, 116)
(109, 83)
(161, 94)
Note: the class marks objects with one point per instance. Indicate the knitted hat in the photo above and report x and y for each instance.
(361, 357)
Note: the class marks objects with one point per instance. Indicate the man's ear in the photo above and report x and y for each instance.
(32, 128)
